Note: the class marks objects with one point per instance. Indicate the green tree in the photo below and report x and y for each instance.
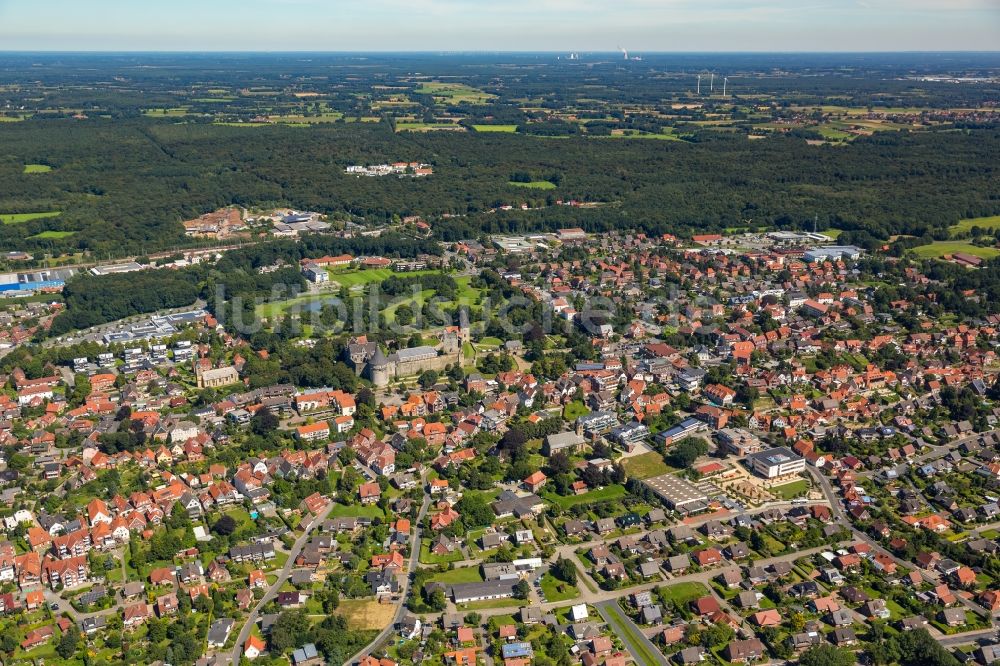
(826, 655)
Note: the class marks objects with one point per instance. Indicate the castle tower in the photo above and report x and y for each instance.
(379, 368)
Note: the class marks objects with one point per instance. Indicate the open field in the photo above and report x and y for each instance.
(53, 234)
(366, 276)
(510, 129)
(428, 127)
(992, 222)
(37, 168)
(453, 93)
(366, 614)
(683, 593)
(645, 466)
(535, 185)
(941, 248)
(16, 218)
(635, 134)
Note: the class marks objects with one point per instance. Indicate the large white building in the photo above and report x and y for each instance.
(779, 461)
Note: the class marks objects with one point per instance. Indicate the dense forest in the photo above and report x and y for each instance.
(122, 164)
(126, 185)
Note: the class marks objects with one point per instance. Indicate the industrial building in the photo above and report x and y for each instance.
(678, 494)
(833, 253)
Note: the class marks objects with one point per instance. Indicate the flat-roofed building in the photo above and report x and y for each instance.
(678, 494)
(779, 461)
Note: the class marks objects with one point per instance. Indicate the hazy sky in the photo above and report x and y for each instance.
(500, 25)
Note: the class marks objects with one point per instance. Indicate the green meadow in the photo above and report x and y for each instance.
(17, 218)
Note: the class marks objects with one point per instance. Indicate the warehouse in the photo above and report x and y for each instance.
(462, 593)
(677, 493)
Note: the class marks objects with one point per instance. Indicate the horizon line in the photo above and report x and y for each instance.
(485, 52)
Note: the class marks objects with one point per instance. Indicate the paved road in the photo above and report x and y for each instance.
(633, 638)
(401, 610)
(283, 575)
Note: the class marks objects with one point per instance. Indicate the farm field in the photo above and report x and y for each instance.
(453, 93)
(509, 129)
(37, 168)
(941, 248)
(992, 222)
(428, 127)
(16, 218)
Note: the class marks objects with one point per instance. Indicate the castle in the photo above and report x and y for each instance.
(370, 362)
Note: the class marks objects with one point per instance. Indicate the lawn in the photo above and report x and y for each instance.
(53, 234)
(370, 511)
(427, 557)
(365, 615)
(37, 168)
(575, 409)
(367, 276)
(557, 590)
(683, 593)
(491, 342)
(941, 248)
(535, 185)
(491, 603)
(790, 490)
(495, 128)
(16, 218)
(460, 575)
(616, 491)
(622, 627)
(645, 465)
(992, 222)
